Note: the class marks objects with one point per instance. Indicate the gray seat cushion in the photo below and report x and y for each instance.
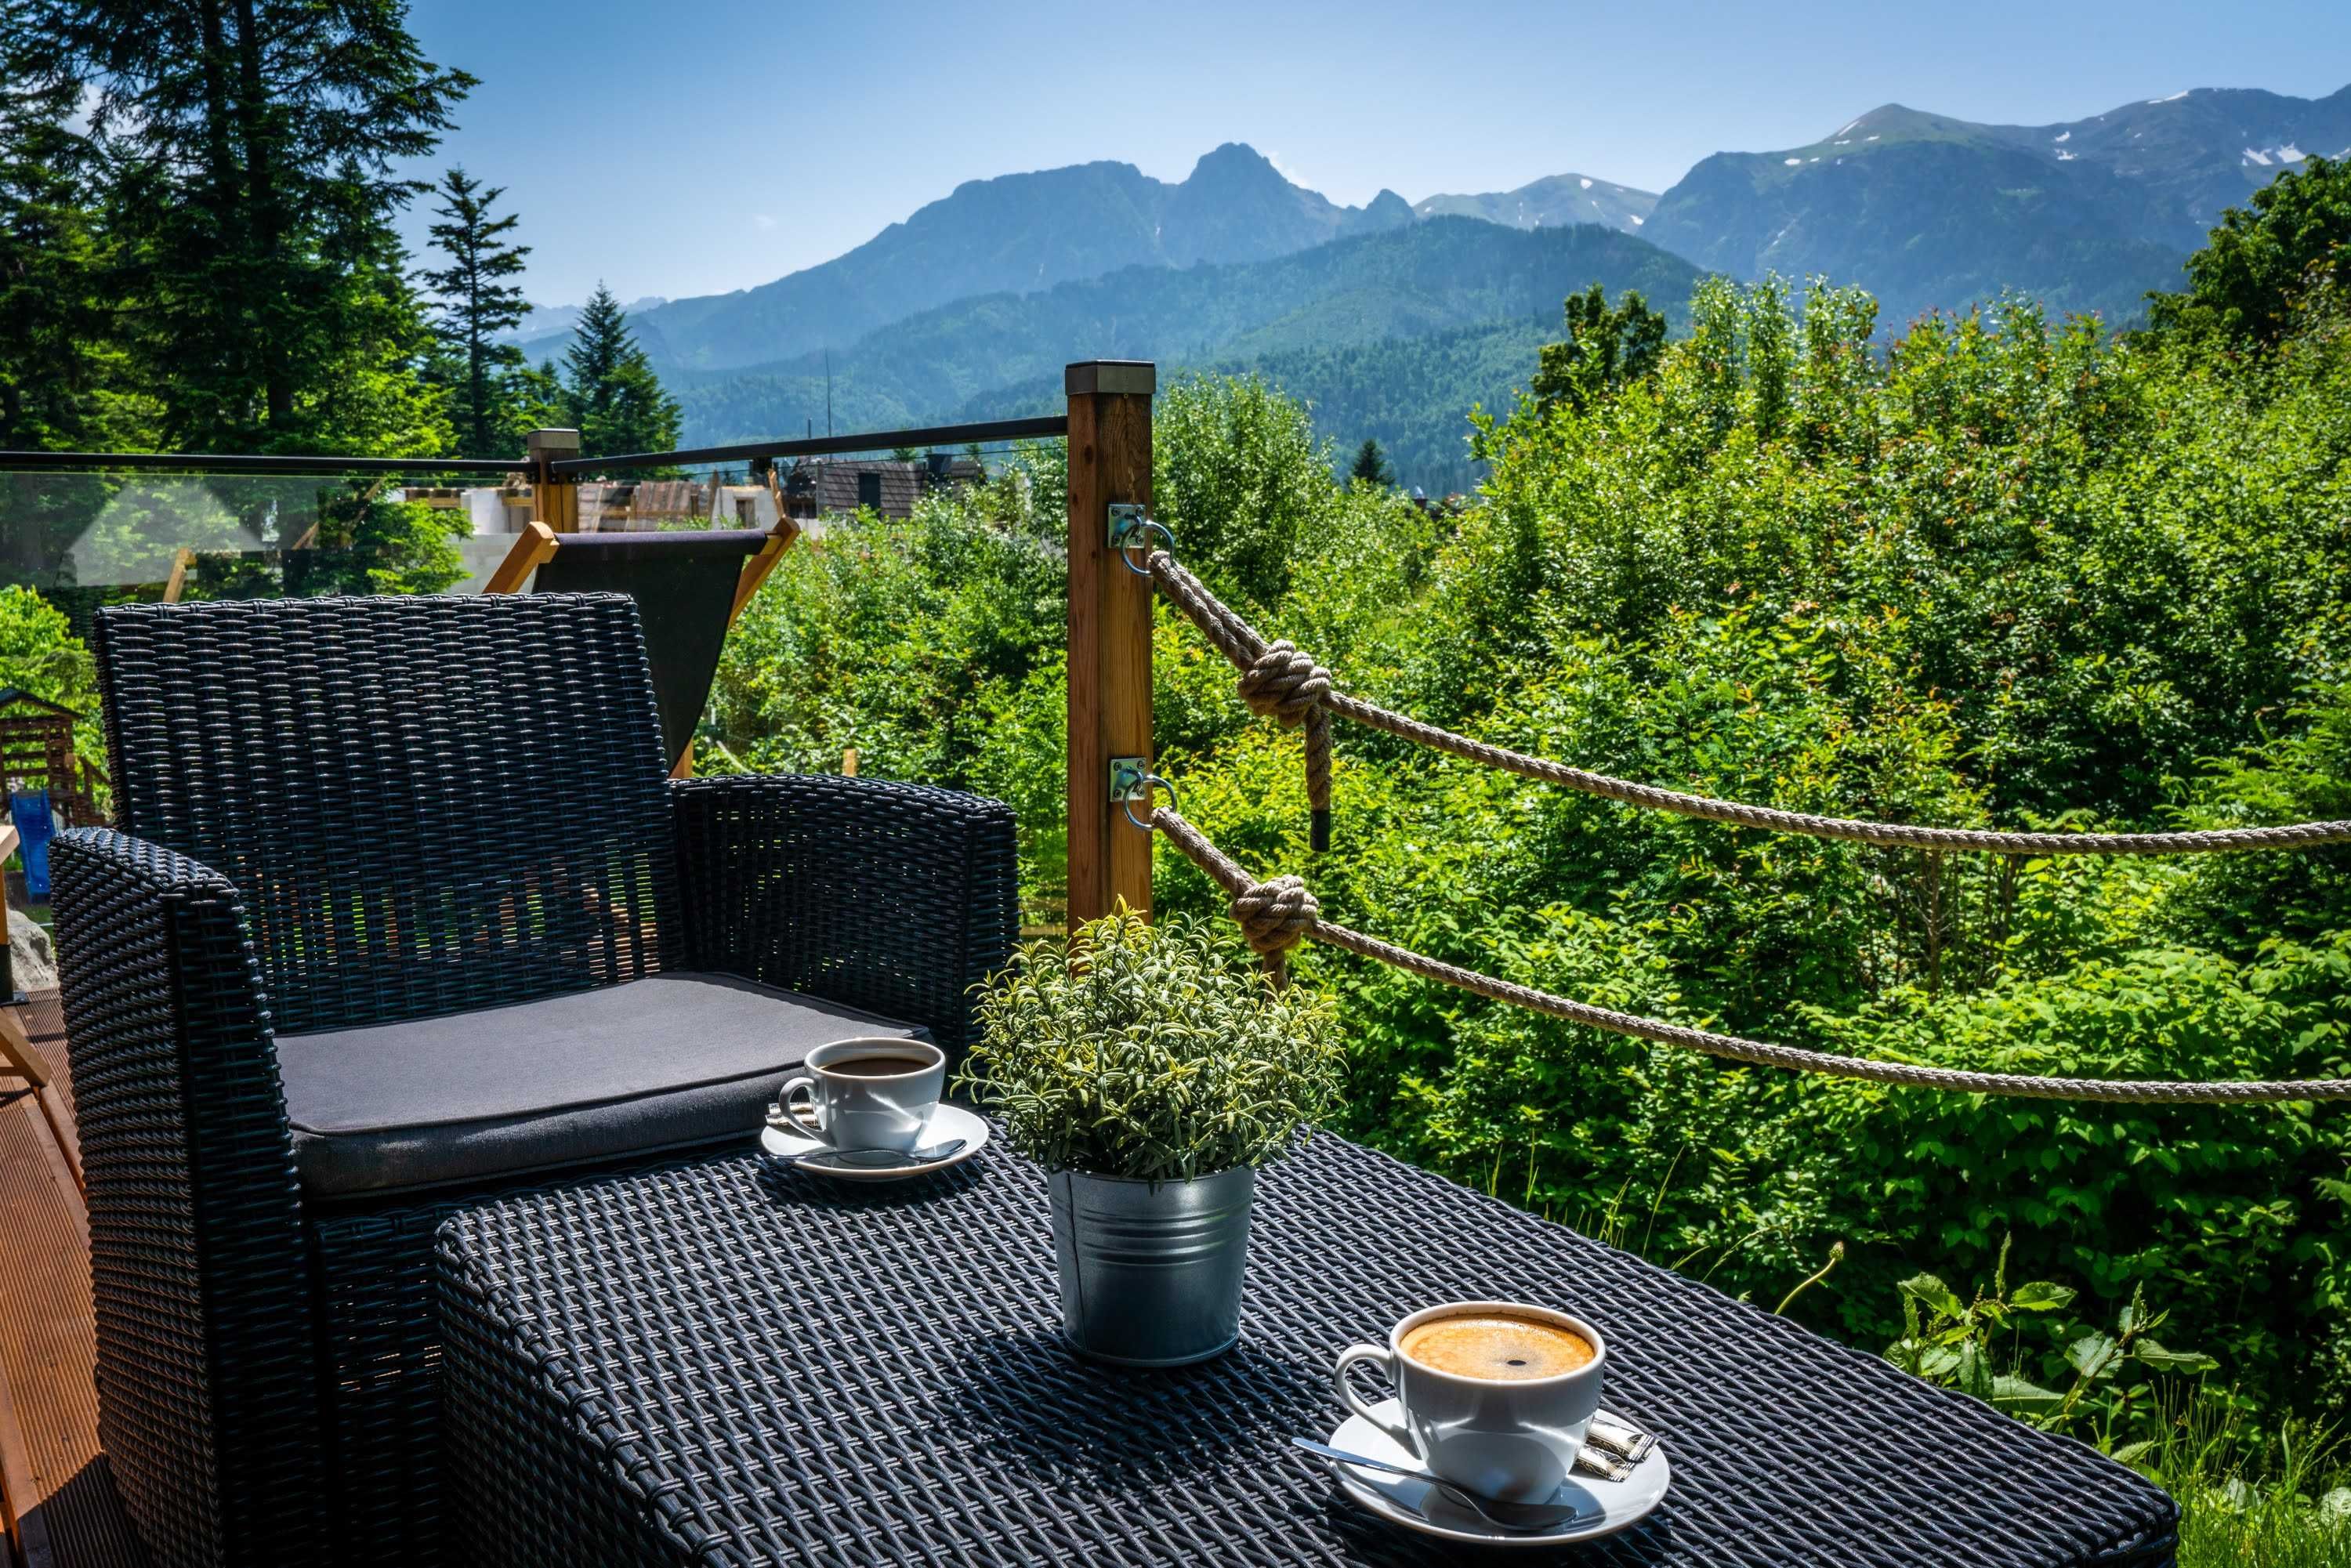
(665, 1063)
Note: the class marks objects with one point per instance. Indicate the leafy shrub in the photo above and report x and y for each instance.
(2003, 573)
(1151, 1051)
(2108, 1377)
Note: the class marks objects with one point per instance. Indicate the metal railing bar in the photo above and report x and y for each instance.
(1048, 426)
(221, 463)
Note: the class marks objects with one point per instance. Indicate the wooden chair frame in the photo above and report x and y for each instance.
(538, 544)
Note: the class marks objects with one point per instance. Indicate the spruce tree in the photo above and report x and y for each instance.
(59, 374)
(611, 393)
(1371, 465)
(476, 303)
(62, 386)
(255, 146)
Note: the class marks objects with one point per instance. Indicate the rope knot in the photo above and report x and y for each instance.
(1274, 915)
(1283, 684)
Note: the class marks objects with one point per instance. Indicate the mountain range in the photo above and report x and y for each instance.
(1927, 211)
(1020, 232)
(1001, 354)
(968, 306)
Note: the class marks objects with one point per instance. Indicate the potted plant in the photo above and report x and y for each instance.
(1151, 1070)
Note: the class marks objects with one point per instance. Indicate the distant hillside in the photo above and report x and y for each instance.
(1393, 335)
(1413, 394)
(554, 320)
(1430, 278)
(1925, 224)
(1926, 211)
(1019, 233)
(1549, 203)
(2202, 151)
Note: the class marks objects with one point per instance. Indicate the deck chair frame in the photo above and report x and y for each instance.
(538, 544)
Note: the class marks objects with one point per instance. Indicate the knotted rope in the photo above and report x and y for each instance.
(1276, 915)
(1286, 688)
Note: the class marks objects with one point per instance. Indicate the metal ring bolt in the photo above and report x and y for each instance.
(1127, 803)
(1149, 527)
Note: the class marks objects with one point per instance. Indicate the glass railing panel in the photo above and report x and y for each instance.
(84, 538)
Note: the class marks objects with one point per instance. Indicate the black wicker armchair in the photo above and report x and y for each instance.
(402, 912)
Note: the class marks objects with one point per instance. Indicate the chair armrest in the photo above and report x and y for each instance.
(207, 1365)
(896, 898)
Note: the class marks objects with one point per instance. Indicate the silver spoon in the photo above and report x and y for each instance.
(877, 1159)
(1493, 1510)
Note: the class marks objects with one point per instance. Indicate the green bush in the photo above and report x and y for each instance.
(2003, 572)
(1156, 1052)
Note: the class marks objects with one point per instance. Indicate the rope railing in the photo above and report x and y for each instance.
(1279, 681)
(1275, 915)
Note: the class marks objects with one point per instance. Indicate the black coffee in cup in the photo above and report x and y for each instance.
(876, 1066)
(871, 1092)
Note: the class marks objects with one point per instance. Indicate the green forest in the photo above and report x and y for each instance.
(2001, 570)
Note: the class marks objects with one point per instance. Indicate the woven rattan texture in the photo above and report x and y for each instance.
(722, 1364)
(206, 1373)
(427, 804)
(446, 804)
(896, 898)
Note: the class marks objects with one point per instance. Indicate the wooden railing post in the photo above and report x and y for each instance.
(1110, 633)
(555, 497)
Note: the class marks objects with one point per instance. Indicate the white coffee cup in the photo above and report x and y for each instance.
(862, 1109)
(1513, 1438)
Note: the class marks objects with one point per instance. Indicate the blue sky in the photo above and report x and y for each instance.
(700, 146)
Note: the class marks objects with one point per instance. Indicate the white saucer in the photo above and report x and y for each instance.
(1420, 1507)
(947, 1122)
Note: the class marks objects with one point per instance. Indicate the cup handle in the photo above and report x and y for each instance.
(1385, 1360)
(784, 1105)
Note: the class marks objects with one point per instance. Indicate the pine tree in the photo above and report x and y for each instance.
(1371, 465)
(611, 393)
(59, 375)
(254, 145)
(62, 381)
(476, 304)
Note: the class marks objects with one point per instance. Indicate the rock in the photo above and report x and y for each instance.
(29, 950)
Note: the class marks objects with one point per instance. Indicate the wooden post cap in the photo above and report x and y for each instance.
(1134, 377)
(552, 443)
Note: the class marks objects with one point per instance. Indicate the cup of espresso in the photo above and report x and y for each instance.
(1495, 1396)
(868, 1093)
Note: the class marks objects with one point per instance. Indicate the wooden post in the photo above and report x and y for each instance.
(555, 497)
(1110, 633)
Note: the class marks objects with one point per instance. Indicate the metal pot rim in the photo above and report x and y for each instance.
(1152, 1182)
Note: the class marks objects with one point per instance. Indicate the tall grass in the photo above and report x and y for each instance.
(2281, 1501)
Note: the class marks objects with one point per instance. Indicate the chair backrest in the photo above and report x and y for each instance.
(685, 584)
(427, 804)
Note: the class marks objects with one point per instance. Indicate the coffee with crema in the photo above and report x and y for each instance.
(1497, 1347)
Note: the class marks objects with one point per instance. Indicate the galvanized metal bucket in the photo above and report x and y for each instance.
(1150, 1276)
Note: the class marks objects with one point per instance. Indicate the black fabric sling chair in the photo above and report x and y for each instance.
(689, 584)
(402, 913)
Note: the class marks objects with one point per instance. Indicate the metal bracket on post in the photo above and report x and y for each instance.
(1129, 526)
(1130, 780)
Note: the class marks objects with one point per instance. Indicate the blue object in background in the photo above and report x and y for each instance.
(36, 826)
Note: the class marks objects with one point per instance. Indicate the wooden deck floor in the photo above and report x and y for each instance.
(60, 1504)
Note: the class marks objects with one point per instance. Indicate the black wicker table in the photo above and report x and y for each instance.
(720, 1362)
